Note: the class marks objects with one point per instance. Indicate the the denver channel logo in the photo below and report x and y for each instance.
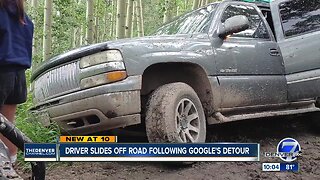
(288, 150)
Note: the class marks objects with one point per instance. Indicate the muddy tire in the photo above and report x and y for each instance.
(175, 115)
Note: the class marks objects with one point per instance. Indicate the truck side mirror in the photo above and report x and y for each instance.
(233, 25)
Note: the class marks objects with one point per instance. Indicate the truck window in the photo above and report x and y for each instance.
(191, 23)
(267, 14)
(300, 17)
(257, 27)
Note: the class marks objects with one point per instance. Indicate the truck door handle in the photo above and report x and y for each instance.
(274, 52)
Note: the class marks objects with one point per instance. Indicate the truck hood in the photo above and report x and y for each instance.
(132, 49)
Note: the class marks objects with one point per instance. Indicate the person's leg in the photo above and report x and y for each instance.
(14, 92)
(9, 112)
(7, 80)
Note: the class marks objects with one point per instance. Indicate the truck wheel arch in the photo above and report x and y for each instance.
(192, 74)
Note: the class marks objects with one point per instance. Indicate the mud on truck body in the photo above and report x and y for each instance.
(224, 62)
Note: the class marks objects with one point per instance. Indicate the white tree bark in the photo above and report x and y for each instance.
(81, 35)
(47, 30)
(140, 23)
(34, 5)
(90, 21)
(134, 20)
(195, 4)
(121, 19)
(129, 19)
(114, 18)
(96, 29)
(76, 37)
(168, 11)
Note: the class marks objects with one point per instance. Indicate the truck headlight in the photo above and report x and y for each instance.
(103, 79)
(99, 58)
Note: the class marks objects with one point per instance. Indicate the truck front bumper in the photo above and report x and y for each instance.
(94, 110)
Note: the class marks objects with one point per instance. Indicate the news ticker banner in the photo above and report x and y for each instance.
(105, 148)
(88, 139)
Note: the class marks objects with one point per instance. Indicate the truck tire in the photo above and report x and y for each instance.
(175, 115)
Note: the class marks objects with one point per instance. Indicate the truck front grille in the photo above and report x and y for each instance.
(58, 81)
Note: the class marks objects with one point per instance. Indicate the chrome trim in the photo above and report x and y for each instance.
(101, 68)
(304, 80)
(61, 80)
(300, 77)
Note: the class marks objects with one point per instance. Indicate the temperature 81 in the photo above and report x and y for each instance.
(290, 166)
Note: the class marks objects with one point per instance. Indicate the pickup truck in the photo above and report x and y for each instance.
(224, 62)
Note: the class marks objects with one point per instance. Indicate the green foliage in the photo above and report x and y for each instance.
(69, 17)
(155, 10)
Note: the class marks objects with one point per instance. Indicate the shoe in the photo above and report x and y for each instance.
(13, 160)
(7, 171)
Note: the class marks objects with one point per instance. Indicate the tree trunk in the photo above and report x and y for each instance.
(112, 19)
(196, 4)
(139, 10)
(170, 6)
(76, 37)
(141, 18)
(90, 21)
(96, 30)
(129, 19)
(81, 35)
(114, 12)
(106, 24)
(166, 14)
(121, 19)
(204, 2)
(134, 20)
(34, 5)
(178, 11)
(47, 30)
(186, 2)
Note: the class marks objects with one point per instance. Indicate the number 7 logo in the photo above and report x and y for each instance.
(288, 145)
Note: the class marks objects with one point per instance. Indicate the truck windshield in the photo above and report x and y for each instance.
(194, 22)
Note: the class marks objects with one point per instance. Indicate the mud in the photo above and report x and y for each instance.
(267, 131)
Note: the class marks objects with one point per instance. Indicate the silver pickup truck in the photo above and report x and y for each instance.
(227, 61)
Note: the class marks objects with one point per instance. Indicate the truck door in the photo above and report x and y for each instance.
(249, 64)
(298, 33)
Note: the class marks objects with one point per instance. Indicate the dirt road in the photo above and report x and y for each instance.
(268, 132)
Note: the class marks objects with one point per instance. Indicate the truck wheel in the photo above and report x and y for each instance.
(175, 114)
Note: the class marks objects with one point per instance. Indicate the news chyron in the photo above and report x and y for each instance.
(288, 151)
(106, 148)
